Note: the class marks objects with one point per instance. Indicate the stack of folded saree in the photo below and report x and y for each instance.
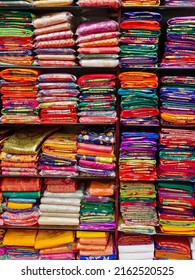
(20, 244)
(179, 3)
(98, 98)
(139, 100)
(126, 3)
(97, 43)
(14, 3)
(95, 246)
(96, 152)
(58, 98)
(192, 247)
(21, 196)
(95, 3)
(20, 151)
(3, 253)
(19, 96)
(139, 39)
(179, 45)
(177, 96)
(16, 38)
(177, 154)
(137, 207)
(135, 247)
(56, 245)
(172, 248)
(52, 3)
(54, 40)
(58, 155)
(137, 159)
(97, 208)
(176, 204)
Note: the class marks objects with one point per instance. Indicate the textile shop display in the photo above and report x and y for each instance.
(16, 38)
(139, 39)
(19, 96)
(97, 206)
(138, 98)
(58, 97)
(97, 102)
(179, 3)
(58, 156)
(53, 3)
(126, 3)
(96, 152)
(3, 253)
(97, 43)
(54, 40)
(172, 248)
(95, 246)
(192, 247)
(179, 45)
(177, 154)
(137, 159)
(135, 247)
(138, 207)
(177, 95)
(95, 3)
(176, 204)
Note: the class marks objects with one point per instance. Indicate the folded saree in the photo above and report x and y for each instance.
(180, 3)
(52, 3)
(19, 237)
(95, 3)
(126, 3)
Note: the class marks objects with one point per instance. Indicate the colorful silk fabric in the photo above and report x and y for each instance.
(179, 45)
(179, 3)
(52, 3)
(139, 39)
(177, 95)
(3, 253)
(97, 43)
(97, 102)
(19, 96)
(127, 3)
(177, 154)
(95, 3)
(138, 98)
(58, 97)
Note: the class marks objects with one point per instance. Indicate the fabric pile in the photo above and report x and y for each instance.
(96, 152)
(58, 156)
(179, 3)
(55, 245)
(97, 43)
(137, 159)
(139, 39)
(20, 244)
(95, 3)
(54, 40)
(179, 45)
(21, 197)
(97, 102)
(19, 96)
(3, 253)
(138, 207)
(192, 247)
(171, 248)
(127, 3)
(97, 207)
(176, 204)
(177, 95)
(19, 4)
(95, 246)
(135, 247)
(53, 3)
(177, 154)
(58, 97)
(16, 38)
(139, 100)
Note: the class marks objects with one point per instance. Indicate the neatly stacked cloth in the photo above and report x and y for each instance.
(53, 3)
(192, 247)
(139, 39)
(179, 45)
(21, 196)
(139, 100)
(177, 96)
(54, 40)
(58, 98)
(135, 247)
(97, 43)
(16, 38)
(177, 154)
(3, 254)
(98, 98)
(95, 3)
(55, 245)
(58, 155)
(20, 244)
(97, 208)
(95, 246)
(58, 185)
(137, 207)
(19, 96)
(176, 204)
(20, 152)
(127, 3)
(172, 248)
(19, 4)
(137, 159)
(96, 152)
(179, 3)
